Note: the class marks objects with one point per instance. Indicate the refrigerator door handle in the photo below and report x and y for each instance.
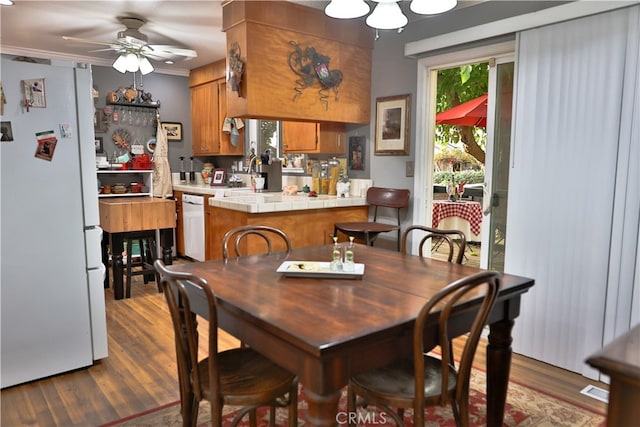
(98, 313)
(93, 244)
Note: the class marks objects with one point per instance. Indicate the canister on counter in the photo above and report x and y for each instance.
(315, 177)
(333, 173)
(324, 179)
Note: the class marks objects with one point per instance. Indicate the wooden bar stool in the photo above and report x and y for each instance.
(146, 241)
(396, 199)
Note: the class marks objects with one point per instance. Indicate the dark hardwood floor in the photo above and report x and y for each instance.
(140, 372)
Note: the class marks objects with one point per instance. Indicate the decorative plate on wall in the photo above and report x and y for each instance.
(151, 145)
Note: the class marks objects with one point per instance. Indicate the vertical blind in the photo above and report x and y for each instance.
(574, 186)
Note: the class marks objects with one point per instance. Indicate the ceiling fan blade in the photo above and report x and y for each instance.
(77, 39)
(159, 49)
(115, 48)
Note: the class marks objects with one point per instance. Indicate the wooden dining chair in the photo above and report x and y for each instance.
(274, 239)
(427, 380)
(453, 238)
(238, 377)
(368, 231)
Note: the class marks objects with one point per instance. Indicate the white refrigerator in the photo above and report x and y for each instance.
(51, 275)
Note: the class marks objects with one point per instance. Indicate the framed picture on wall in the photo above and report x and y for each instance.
(99, 146)
(356, 152)
(174, 130)
(392, 125)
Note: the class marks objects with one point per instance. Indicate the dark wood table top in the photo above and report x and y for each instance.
(326, 330)
(621, 356)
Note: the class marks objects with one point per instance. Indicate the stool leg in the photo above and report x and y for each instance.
(128, 274)
(149, 258)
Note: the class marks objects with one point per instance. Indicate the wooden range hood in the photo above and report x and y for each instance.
(270, 89)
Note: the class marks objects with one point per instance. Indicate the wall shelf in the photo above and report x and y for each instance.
(112, 177)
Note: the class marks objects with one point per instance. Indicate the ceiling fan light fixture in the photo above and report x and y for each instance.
(346, 9)
(6, 2)
(432, 7)
(120, 63)
(387, 16)
(145, 66)
(132, 62)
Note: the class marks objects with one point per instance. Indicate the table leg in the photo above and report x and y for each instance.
(322, 409)
(498, 369)
(117, 246)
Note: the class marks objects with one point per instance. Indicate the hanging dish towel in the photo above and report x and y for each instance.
(161, 168)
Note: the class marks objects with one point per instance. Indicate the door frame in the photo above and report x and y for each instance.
(426, 114)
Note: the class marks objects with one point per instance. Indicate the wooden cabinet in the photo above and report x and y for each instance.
(179, 222)
(210, 243)
(208, 113)
(226, 147)
(310, 137)
(272, 37)
(204, 119)
(309, 227)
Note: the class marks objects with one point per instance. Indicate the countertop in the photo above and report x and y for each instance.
(248, 201)
(200, 189)
(245, 200)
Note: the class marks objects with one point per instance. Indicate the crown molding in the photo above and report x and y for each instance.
(48, 55)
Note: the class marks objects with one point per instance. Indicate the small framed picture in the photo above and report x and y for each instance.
(174, 130)
(219, 177)
(356, 152)
(99, 146)
(392, 125)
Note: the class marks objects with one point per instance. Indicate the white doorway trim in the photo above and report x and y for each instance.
(565, 12)
(425, 117)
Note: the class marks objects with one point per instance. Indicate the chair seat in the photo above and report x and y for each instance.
(246, 377)
(365, 227)
(394, 385)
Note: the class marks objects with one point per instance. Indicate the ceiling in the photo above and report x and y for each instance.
(35, 29)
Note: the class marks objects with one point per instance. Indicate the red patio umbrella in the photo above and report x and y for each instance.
(470, 113)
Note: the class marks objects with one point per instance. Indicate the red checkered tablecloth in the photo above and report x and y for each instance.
(471, 211)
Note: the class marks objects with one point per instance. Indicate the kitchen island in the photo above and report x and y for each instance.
(122, 216)
(308, 221)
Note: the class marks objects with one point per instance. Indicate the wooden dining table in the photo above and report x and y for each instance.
(326, 330)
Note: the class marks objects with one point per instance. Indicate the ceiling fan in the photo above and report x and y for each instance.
(132, 45)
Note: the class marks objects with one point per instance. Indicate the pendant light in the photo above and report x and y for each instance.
(387, 16)
(132, 62)
(432, 7)
(120, 63)
(145, 65)
(346, 9)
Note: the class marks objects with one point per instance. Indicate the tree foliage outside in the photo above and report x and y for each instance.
(268, 137)
(456, 86)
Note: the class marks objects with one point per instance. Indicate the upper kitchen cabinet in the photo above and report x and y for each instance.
(308, 137)
(277, 42)
(208, 112)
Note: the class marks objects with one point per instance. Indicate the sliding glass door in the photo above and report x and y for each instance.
(496, 198)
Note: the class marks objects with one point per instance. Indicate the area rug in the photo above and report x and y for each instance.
(525, 407)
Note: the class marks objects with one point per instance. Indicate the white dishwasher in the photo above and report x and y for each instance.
(193, 226)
